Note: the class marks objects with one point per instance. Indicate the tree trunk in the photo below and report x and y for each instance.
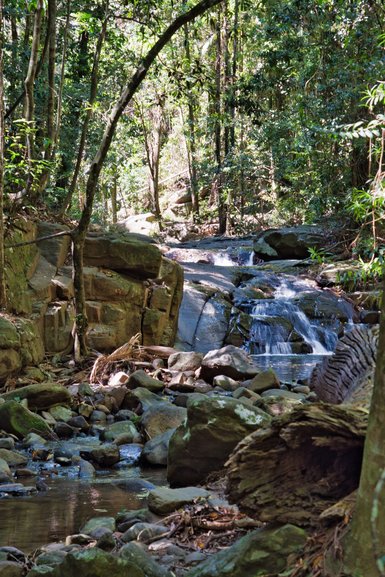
(301, 465)
(191, 138)
(114, 199)
(87, 118)
(218, 126)
(39, 67)
(365, 545)
(97, 163)
(29, 105)
(3, 293)
(61, 81)
(51, 32)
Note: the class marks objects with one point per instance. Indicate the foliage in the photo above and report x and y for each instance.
(289, 117)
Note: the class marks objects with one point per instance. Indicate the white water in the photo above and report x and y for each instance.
(222, 259)
(279, 325)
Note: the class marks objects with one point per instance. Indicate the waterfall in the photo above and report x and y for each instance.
(280, 327)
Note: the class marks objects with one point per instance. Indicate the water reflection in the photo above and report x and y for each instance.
(288, 368)
(29, 522)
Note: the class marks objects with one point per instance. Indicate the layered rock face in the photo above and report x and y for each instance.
(130, 288)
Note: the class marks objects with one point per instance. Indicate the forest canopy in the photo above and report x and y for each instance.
(245, 109)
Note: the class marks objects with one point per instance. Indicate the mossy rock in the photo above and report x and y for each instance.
(19, 421)
(40, 396)
(259, 553)
(9, 338)
(96, 563)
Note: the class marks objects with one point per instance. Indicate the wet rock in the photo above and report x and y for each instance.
(60, 413)
(11, 569)
(261, 552)
(226, 383)
(13, 554)
(94, 563)
(141, 398)
(126, 428)
(19, 421)
(13, 458)
(246, 394)
(106, 455)
(7, 443)
(79, 422)
(288, 243)
(281, 393)
(50, 558)
(98, 417)
(185, 361)
(213, 428)
(230, 361)
(5, 471)
(138, 557)
(324, 305)
(96, 523)
(124, 415)
(144, 532)
(164, 500)
(159, 419)
(264, 381)
(105, 539)
(64, 430)
(40, 396)
(86, 469)
(24, 473)
(127, 519)
(16, 489)
(155, 451)
(141, 379)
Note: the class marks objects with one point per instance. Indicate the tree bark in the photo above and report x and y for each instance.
(218, 126)
(51, 32)
(29, 105)
(3, 292)
(365, 545)
(87, 118)
(191, 139)
(61, 81)
(153, 140)
(128, 92)
(301, 465)
(114, 199)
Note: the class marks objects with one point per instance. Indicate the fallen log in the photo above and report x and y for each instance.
(299, 465)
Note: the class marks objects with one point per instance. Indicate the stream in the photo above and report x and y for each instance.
(31, 521)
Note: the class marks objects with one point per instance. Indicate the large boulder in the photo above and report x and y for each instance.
(94, 563)
(134, 553)
(162, 417)
(123, 253)
(164, 500)
(202, 444)
(230, 361)
(324, 305)
(259, 553)
(155, 451)
(19, 421)
(40, 396)
(290, 242)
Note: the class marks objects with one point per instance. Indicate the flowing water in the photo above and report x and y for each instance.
(279, 324)
(29, 522)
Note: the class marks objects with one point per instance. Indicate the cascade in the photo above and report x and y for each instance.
(280, 327)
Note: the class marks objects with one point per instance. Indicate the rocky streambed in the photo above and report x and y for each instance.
(119, 469)
(98, 449)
